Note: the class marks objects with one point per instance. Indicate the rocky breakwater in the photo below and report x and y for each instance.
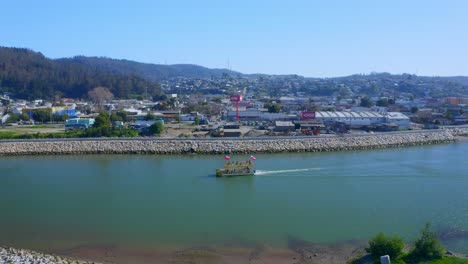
(218, 146)
(340, 143)
(459, 131)
(20, 256)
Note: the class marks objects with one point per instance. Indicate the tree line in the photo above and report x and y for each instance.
(30, 75)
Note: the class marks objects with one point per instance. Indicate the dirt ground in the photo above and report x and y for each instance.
(298, 252)
(176, 132)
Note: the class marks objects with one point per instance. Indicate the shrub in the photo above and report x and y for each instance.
(156, 128)
(102, 120)
(427, 247)
(124, 133)
(8, 135)
(382, 245)
(196, 121)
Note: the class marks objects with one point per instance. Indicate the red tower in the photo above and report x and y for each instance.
(236, 99)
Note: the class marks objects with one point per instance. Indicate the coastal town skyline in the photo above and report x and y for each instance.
(309, 39)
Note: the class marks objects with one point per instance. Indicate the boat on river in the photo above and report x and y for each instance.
(237, 168)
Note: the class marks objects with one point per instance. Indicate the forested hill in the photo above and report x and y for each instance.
(152, 72)
(30, 75)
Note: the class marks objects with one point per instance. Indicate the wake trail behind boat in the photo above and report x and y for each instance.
(266, 172)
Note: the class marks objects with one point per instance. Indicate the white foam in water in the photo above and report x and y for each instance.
(266, 172)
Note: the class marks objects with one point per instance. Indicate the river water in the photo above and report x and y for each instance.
(136, 200)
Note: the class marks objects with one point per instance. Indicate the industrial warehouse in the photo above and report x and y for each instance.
(351, 119)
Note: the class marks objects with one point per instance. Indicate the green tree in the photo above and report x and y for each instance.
(115, 117)
(57, 118)
(449, 116)
(344, 92)
(414, 109)
(5, 102)
(383, 102)
(24, 117)
(196, 121)
(102, 120)
(217, 100)
(43, 114)
(161, 97)
(156, 129)
(172, 102)
(382, 245)
(13, 118)
(427, 247)
(162, 106)
(274, 108)
(123, 115)
(150, 116)
(366, 102)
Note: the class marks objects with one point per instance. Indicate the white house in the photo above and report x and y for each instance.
(133, 111)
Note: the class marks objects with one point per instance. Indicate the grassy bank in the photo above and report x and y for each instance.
(406, 259)
(92, 132)
(426, 249)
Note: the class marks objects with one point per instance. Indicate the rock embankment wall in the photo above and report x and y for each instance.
(459, 131)
(21, 256)
(220, 146)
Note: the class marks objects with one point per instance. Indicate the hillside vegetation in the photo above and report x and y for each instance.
(30, 75)
(151, 72)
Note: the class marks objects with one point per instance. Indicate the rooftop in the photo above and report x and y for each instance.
(348, 114)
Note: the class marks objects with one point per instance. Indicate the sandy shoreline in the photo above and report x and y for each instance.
(297, 252)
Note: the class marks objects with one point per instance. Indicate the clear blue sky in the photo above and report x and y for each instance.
(311, 38)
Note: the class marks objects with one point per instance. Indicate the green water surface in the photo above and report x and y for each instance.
(134, 200)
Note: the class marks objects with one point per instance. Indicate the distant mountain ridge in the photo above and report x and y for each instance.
(457, 79)
(152, 72)
(28, 74)
(159, 72)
